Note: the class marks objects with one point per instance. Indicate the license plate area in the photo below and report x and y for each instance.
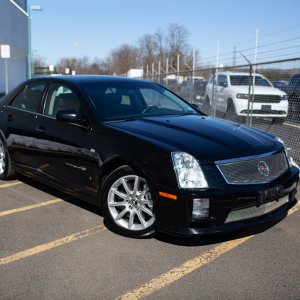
(254, 211)
(266, 107)
(269, 195)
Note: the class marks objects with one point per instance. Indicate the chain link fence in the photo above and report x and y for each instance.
(265, 95)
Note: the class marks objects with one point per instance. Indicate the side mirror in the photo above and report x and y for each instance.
(223, 84)
(70, 116)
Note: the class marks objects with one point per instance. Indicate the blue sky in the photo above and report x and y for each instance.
(76, 28)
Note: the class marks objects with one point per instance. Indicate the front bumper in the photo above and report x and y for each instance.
(279, 109)
(231, 209)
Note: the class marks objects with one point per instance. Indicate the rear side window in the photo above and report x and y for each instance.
(244, 80)
(30, 97)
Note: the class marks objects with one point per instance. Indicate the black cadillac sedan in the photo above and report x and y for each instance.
(149, 159)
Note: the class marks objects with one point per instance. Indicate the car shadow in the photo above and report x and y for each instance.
(190, 241)
(212, 239)
(57, 194)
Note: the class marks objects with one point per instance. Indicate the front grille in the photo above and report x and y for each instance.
(253, 170)
(267, 98)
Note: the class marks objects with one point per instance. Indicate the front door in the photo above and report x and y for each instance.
(66, 152)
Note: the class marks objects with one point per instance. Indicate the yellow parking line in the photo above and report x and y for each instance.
(5, 185)
(292, 125)
(187, 267)
(294, 209)
(24, 208)
(183, 270)
(51, 245)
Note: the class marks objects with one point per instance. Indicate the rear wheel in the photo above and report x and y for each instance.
(127, 203)
(6, 170)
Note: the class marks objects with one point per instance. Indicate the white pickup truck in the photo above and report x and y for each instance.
(228, 93)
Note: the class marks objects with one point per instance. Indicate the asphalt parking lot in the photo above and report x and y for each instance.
(56, 247)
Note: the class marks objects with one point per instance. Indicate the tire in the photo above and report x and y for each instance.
(6, 170)
(127, 203)
(206, 106)
(230, 112)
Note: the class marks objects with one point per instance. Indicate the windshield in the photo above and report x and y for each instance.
(117, 100)
(244, 80)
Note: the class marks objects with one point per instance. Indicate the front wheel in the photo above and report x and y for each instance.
(127, 203)
(206, 106)
(230, 112)
(6, 170)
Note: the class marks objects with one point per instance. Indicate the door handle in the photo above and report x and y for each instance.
(40, 129)
(9, 118)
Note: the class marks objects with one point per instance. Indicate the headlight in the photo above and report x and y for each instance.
(188, 171)
(289, 158)
(242, 96)
(284, 97)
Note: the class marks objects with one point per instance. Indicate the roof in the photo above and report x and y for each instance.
(90, 78)
(237, 73)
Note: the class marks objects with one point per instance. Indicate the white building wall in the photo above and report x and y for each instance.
(14, 32)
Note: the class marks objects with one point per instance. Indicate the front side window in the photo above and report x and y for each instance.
(30, 97)
(222, 80)
(61, 97)
(212, 79)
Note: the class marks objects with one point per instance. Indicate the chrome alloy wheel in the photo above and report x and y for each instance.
(2, 158)
(130, 203)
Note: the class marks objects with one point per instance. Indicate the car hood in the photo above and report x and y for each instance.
(209, 139)
(258, 90)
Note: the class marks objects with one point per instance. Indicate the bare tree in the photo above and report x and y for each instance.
(123, 59)
(67, 63)
(148, 49)
(39, 65)
(188, 58)
(161, 43)
(160, 46)
(82, 65)
(39, 61)
(176, 42)
(152, 48)
(98, 66)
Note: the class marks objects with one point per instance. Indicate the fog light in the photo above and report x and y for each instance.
(200, 209)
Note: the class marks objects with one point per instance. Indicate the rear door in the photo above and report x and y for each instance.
(22, 114)
(221, 87)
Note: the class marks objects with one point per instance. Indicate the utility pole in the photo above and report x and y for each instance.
(250, 98)
(5, 53)
(234, 56)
